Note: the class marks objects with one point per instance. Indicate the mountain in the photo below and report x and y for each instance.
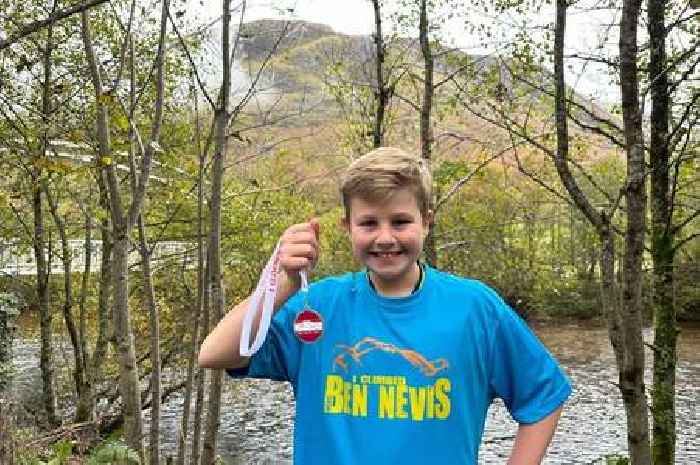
(310, 55)
(304, 52)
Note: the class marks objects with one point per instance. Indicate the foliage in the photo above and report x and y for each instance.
(616, 459)
(114, 453)
(111, 452)
(59, 454)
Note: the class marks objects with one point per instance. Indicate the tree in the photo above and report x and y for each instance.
(39, 242)
(224, 117)
(631, 363)
(197, 315)
(123, 221)
(664, 174)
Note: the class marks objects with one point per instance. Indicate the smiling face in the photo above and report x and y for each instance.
(387, 237)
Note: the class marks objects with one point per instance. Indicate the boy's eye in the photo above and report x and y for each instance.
(367, 223)
(402, 222)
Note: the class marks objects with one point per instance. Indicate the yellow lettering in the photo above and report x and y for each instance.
(386, 402)
(417, 402)
(430, 402)
(347, 388)
(359, 400)
(334, 394)
(442, 408)
(401, 401)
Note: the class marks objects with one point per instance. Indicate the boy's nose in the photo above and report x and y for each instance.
(385, 238)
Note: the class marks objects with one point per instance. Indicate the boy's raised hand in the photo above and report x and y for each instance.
(299, 248)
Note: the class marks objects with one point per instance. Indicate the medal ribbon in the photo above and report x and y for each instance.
(265, 293)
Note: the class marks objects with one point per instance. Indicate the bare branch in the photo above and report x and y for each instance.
(677, 228)
(692, 105)
(682, 242)
(157, 122)
(193, 66)
(253, 85)
(52, 18)
(458, 185)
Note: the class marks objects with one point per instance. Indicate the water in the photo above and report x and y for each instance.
(257, 415)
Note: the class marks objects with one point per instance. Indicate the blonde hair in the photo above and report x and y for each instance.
(377, 175)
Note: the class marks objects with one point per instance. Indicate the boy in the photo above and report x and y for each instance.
(404, 360)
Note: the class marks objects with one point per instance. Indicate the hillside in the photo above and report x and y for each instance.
(309, 54)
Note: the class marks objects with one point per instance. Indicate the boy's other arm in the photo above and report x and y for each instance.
(532, 440)
(221, 347)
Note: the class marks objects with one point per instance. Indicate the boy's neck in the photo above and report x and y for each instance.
(399, 288)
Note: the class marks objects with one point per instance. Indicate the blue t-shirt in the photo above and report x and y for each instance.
(406, 379)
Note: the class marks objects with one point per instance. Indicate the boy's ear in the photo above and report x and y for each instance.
(344, 223)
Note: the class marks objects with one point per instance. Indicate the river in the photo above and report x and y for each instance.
(257, 415)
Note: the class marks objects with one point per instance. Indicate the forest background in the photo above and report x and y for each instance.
(151, 156)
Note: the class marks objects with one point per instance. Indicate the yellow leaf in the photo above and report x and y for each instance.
(121, 122)
(105, 99)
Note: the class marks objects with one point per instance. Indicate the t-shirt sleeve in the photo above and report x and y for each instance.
(522, 372)
(278, 357)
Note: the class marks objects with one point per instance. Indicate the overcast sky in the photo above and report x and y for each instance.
(356, 17)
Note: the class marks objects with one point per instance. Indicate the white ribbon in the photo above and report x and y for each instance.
(265, 292)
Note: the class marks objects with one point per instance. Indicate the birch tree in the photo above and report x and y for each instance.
(631, 361)
(40, 243)
(123, 219)
(197, 315)
(225, 115)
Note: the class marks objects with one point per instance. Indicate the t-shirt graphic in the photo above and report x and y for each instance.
(386, 396)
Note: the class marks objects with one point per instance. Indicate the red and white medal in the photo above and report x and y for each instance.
(308, 326)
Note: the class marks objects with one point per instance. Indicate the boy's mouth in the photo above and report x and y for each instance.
(385, 254)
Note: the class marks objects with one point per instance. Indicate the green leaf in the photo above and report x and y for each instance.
(121, 122)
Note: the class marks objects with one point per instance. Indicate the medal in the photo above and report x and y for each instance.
(308, 324)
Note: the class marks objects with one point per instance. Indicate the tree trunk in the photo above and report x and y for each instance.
(609, 298)
(201, 373)
(67, 260)
(104, 315)
(7, 314)
(184, 426)
(381, 92)
(221, 117)
(42, 271)
(124, 344)
(215, 284)
(426, 135)
(631, 377)
(662, 247)
(85, 405)
(154, 325)
(7, 441)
